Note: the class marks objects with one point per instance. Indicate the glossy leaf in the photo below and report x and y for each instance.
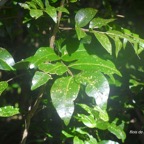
(62, 9)
(76, 140)
(6, 60)
(91, 140)
(99, 22)
(57, 68)
(63, 92)
(3, 86)
(118, 45)
(102, 125)
(36, 13)
(39, 3)
(104, 41)
(97, 86)
(89, 120)
(51, 11)
(84, 16)
(117, 131)
(108, 142)
(39, 79)
(80, 32)
(43, 54)
(8, 111)
(94, 63)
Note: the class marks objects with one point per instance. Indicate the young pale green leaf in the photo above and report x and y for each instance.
(31, 5)
(43, 54)
(97, 87)
(108, 142)
(63, 92)
(80, 32)
(67, 135)
(94, 63)
(91, 140)
(84, 16)
(57, 68)
(102, 125)
(103, 115)
(89, 120)
(76, 140)
(99, 22)
(51, 11)
(8, 111)
(39, 79)
(104, 41)
(72, 1)
(3, 86)
(36, 13)
(117, 131)
(62, 9)
(39, 3)
(6, 60)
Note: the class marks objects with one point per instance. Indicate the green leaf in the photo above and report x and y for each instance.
(102, 125)
(118, 45)
(117, 131)
(32, 5)
(8, 111)
(84, 16)
(102, 113)
(39, 3)
(76, 140)
(51, 11)
(43, 54)
(91, 140)
(62, 9)
(57, 68)
(39, 79)
(80, 32)
(35, 13)
(3, 86)
(63, 92)
(108, 142)
(104, 41)
(67, 135)
(92, 63)
(89, 120)
(99, 22)
(6, 60)
(72, 1)
(96, 86)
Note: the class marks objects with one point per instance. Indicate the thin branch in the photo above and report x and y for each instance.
(29, 117)
(55, 30)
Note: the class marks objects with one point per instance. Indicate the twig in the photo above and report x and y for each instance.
(55, 30)
(29, 117)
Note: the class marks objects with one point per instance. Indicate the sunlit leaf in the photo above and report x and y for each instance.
(36, 13)
(94, 63)
(6, 60)
(39, 79)
(104, 41)
(63, 92)
(62, 9)
(117, 131)
(51, 11)
(96, 86)
(76, 140)
(99, 22)
(102, 125)
(57, 68)
(91, 140)
(3, 86)
(43, 54)
(80, 32)
(8, 111)
(89, 120)
(39, 3)
(83, 16)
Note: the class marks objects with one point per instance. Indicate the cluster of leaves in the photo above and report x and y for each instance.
(71, 72)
